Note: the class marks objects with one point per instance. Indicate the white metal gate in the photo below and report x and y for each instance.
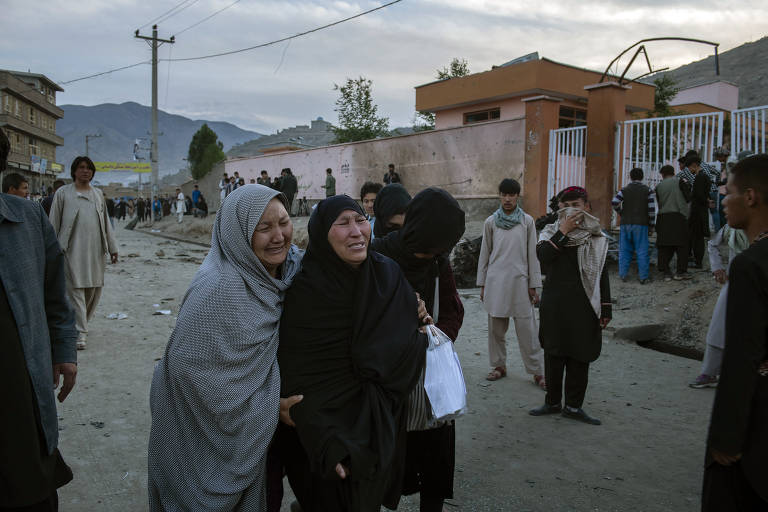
(748, 129)
(652, 143)
(567, 158)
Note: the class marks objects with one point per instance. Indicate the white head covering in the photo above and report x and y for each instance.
(215, 395)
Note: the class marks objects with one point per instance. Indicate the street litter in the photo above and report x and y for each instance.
(162, 312)
(117, 316)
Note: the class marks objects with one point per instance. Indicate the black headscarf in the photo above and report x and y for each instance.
(434, 223)
(391, 200)
(349, 342)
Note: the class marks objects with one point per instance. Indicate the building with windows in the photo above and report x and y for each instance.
(28, 116)
(501, 93)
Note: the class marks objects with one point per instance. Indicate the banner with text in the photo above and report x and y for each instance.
(123, 166)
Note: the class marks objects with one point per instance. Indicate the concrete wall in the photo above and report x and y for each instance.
(469, 162)
(723, 95)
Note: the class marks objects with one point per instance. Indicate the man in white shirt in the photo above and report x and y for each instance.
(180, 205)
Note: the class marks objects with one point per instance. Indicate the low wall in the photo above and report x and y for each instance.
(469, 162)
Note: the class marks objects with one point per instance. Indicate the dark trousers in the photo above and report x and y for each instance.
(697, 247)
(727, 489)
(49, 505)
(665, 257)
(576, 379)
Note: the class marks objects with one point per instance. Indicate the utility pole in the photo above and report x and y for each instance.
(87, 138)
(155, 43)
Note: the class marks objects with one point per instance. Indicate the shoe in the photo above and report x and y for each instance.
(81, 345)
(682, 277)
(623, 279)
(645, 281)
(668, 277)
(580, 415)
(545, 409)
(704, 381)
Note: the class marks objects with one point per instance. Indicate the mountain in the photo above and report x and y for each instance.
(745, 66)
(120, 125)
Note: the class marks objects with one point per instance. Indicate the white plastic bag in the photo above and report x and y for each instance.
(443, 379)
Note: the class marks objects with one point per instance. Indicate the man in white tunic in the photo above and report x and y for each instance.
(181, 206)
(81, 222)
(508, 274)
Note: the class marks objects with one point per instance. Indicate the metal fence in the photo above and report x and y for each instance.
(652, 143)
(748, 129)
(567, 158)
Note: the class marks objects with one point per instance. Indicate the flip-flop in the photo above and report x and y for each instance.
(496, 374)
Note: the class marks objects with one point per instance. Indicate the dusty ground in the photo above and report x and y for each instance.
(646, 456)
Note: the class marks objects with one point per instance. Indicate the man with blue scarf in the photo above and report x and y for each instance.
(508, 275)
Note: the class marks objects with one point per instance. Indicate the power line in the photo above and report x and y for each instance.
(166, 18)
(207, 18)
(105, 72)
(153, 20)
(286, 38)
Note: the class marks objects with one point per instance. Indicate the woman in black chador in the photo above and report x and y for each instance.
(433, 224)
(575, 303)
(349, 343)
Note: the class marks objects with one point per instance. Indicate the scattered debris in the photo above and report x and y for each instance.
(97, 424)
(162, 312)
(117, 316)
(160, 253)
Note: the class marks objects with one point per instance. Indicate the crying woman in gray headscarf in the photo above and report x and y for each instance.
(215, 397)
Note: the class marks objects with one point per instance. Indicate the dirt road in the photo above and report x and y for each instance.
(646, 456)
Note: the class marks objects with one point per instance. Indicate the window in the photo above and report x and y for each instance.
(16, 143)
(31, 115)
(570, 117)
(481, 116)
(6, 103)
(17, 103)
(33, 147)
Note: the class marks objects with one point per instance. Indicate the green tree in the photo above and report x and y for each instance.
(205, 151)
(457, 68)
(666, 89)
(358, 115)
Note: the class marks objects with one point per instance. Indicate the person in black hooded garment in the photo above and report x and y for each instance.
(434, 223)
(389, 206)
(350, 344)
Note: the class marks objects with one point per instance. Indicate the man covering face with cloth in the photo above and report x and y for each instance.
(575, 302)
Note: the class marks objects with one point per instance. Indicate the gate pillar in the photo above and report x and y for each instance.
(541, 115)
(606, 106)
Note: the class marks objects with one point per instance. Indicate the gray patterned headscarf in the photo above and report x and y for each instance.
(215, 395)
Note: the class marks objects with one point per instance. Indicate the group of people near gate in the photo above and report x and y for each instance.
(311, 364)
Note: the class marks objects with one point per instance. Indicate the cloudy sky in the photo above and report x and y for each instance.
(398, 47)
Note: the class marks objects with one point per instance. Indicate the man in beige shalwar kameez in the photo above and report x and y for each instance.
(79, 217)
(508, 274)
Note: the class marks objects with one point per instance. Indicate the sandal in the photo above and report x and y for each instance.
(81, 345)
(497, 373)
(540, 381)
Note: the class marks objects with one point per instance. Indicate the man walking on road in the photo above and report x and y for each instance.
(737, 446)
(79, 218)
(39, 336)
(508, 274)
(330, 183)
(635, 203)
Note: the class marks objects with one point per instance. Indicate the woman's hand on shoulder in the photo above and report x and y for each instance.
(285, 408)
